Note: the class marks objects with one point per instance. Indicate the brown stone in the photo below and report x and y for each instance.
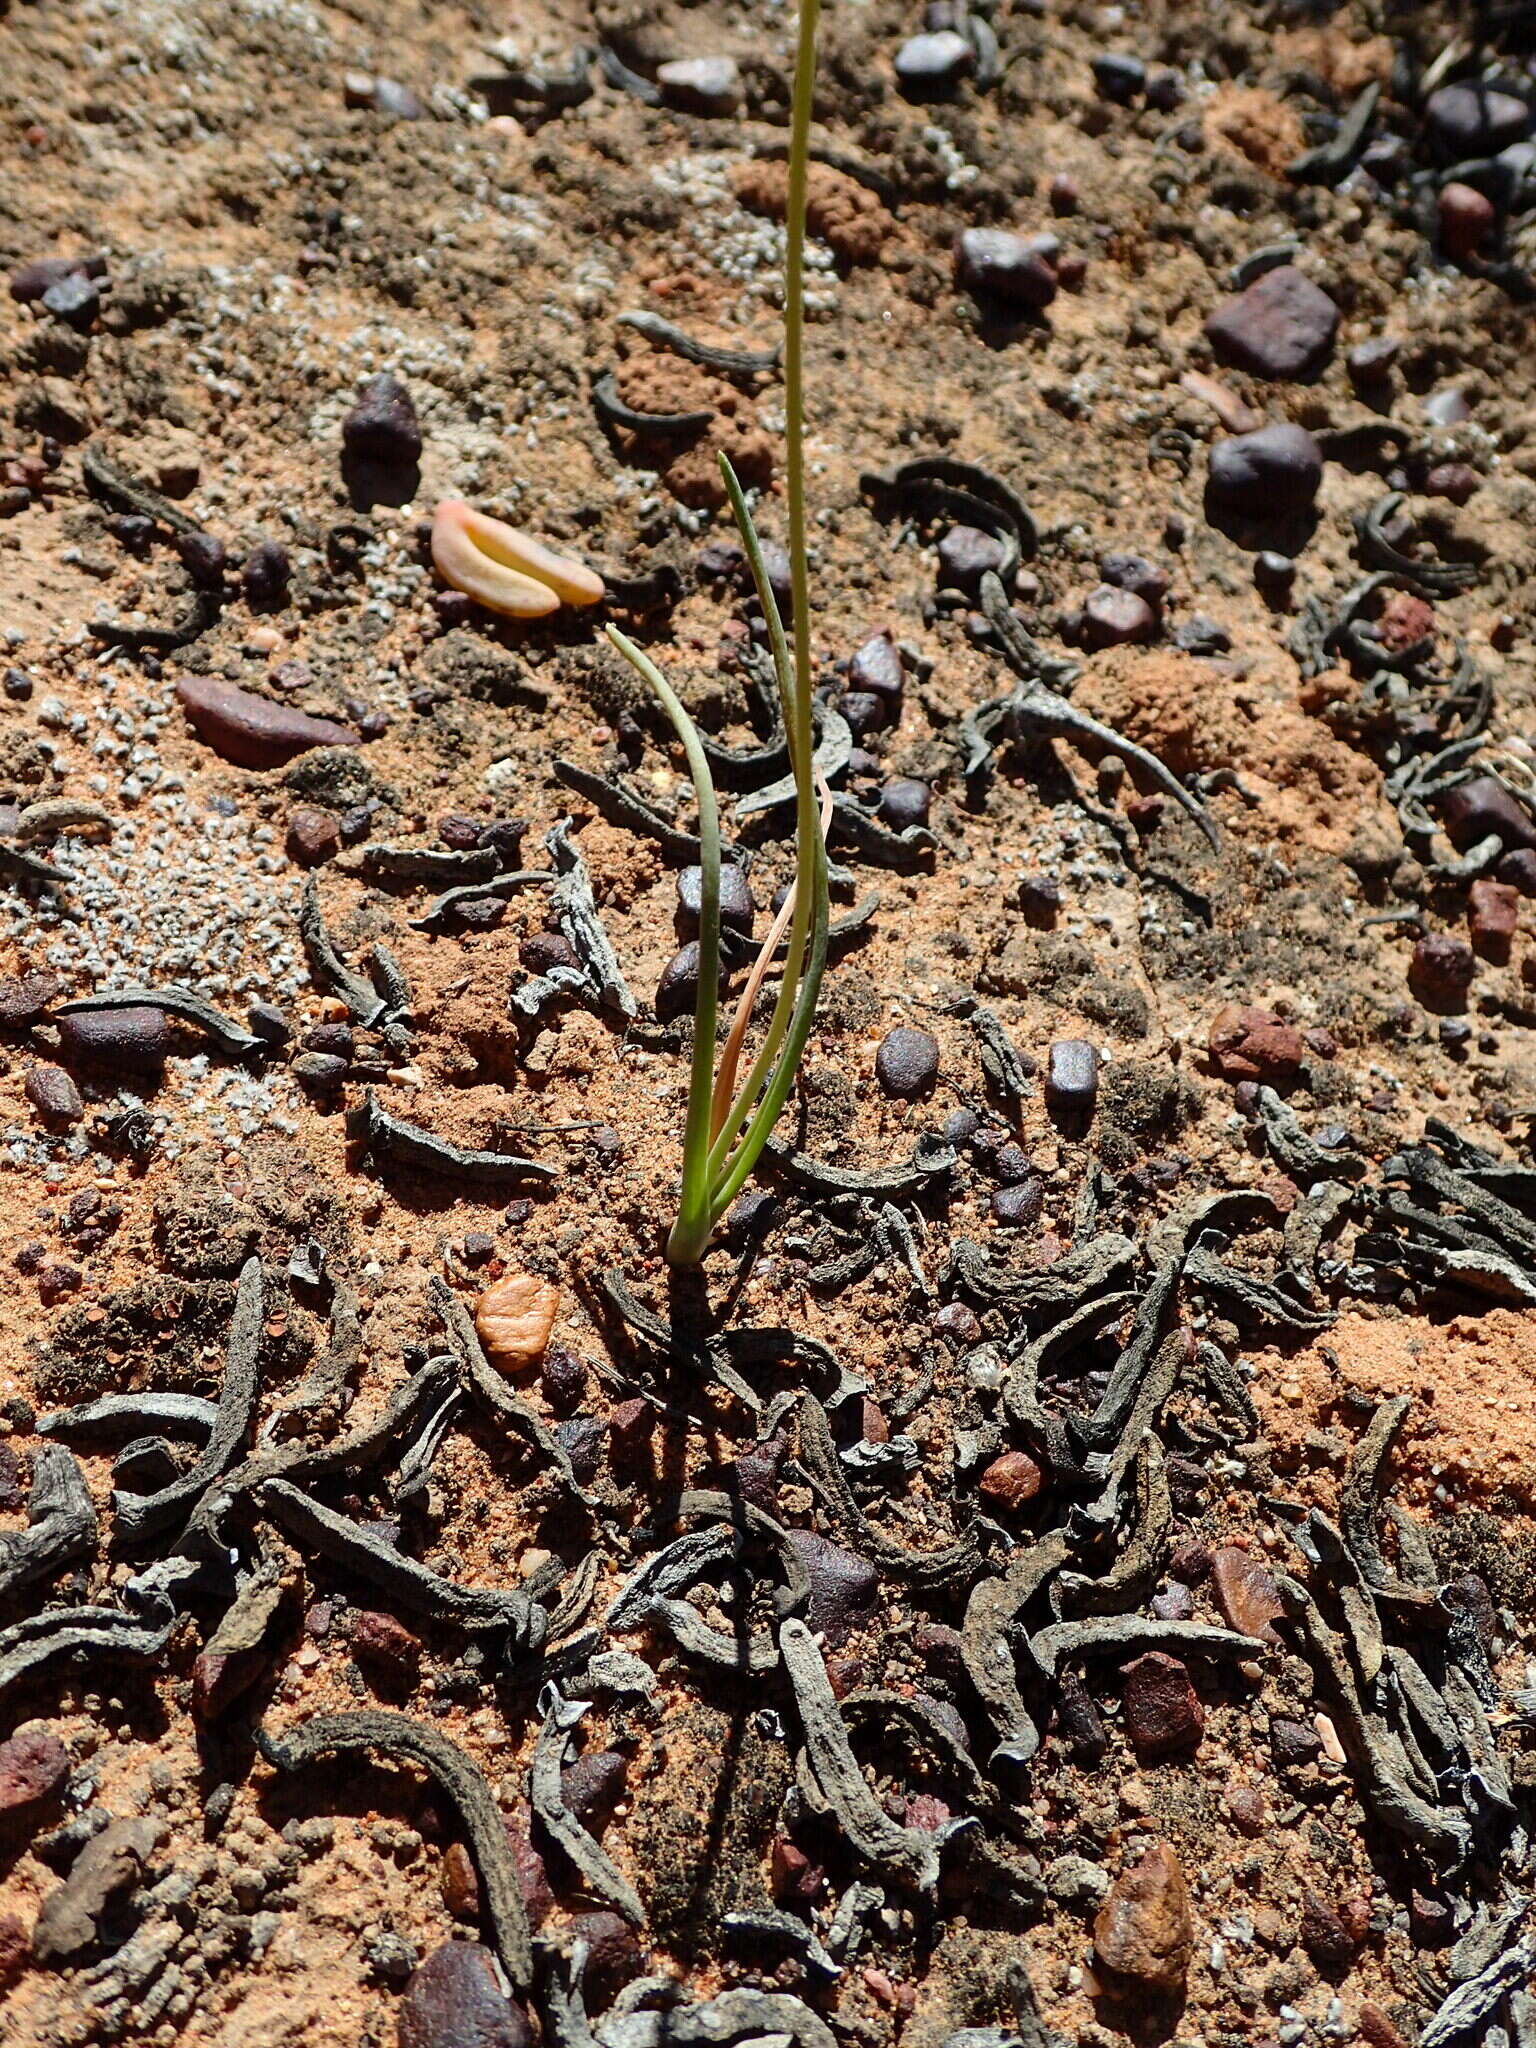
(1145, 1929)
(1012, 1480)
(1282, 326)
(34, 1765)
(219, 1677)
(1454, 480)
(1466, 220)
(15, 1947)
(454, 2000)
(252, 731)
(1325, 1937)
(532, 1876)
(1117, 618)
(460, 1886)
(1246, 1593)
(1441, 970)
(314, 836)
(386, 1644)
(24, 998)
(793, 1877)
(1403, 621)
(1493, 915)
(1248, 1808)
(1376, 2029)
(1249, 1044)
(53, 1094)
(138, 1037)
(1163, 1714)
(514, 1317)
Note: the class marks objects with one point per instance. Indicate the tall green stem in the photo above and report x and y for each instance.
(714, 1172)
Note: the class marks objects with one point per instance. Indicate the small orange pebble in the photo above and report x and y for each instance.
(514, 1317)
(504, 569)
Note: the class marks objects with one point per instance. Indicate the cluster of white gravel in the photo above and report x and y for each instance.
(737, 245)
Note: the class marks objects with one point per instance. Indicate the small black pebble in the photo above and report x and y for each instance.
(907, 1063)
(382, 427)
(905, 802)
(864, 711)
(266, 574)
(1021, 1203)
(204, 557)
(268, 1023)
(738, 911)
(18, 686)
(960, 1126)
(1119, 78)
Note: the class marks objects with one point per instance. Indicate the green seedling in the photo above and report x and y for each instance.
(728, 1123)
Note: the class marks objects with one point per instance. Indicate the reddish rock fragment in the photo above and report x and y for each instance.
(460, 1886)
(252, 731)
(15, 1947)
(1403, 621)
(455, 2000)
(219, 1677)
(1248, 1044)
(34, 1765)
(1466, 220)
(1282, 326)
(1454, 480)
(1163, 1714)
(1011, 1481)
(1116, 618)
(1441, 971)
(1246, 1593)
(53, 1094)
(1493, 915)
(314, 836)
(137, 1037)
(1145, 1929)
(1325, 1937)
(386, 1644)
(1376, 2029)
(793, 1877)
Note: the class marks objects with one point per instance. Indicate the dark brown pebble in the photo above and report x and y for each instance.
(1493, 918)
(336, 1039)
(541, 951)
(793, 1878)
(1014, 269)
(54, 1095)
(959, 1323)
(1474, 119)
(220, 1677)
(678, 990)
(1116, 618)
(1466, 220)
(382, 427)
(314, 836)
(877, 667)
(266, 574)
(1481, 805)
(930, 66)
(387, 1645)
(564, 1379)
(843, 1585)
(630, 1427)
(738, 909)
(1370, 363)
(1163, 1714)
(1271, 471)
(1019, 1205)
(1136, 574)
(1281, 327)
(865, 712)
(1174, 1603)
(1190, 1562)
(1079, 1721)
(904, 802)
(320, 1072)
(1454, 480)
(454, 2000)
(24, 998)
(1325, 1937)
(459, 832)
(594, 1786)
(614, 1956)
(1119, 77)
(1062, 193)
(34, 1767)
(252, 731)
(1248, 1808)
(966, 553)
(204, 557)
(1441, 971)
(1293, 1744)
(907, 1062)
(29, 281)
(138, 1038)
